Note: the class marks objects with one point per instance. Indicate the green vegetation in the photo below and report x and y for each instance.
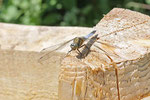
(64, 12)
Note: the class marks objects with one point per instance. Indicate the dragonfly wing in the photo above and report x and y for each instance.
(90, 34)
(52, 49)
(101, 49)
(108, 45)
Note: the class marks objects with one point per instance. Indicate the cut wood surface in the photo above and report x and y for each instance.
(127, 35)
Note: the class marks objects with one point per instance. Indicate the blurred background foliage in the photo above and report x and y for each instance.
(64, 12)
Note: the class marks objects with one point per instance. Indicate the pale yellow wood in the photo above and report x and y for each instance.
(22, 77)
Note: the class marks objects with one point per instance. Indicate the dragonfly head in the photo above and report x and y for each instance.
(74, 46)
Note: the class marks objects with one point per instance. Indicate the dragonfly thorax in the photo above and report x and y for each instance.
(77, 43)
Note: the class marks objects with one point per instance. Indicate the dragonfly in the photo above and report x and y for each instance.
(77, 43)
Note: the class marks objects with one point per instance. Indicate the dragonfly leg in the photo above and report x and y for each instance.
(85, 46)
(68, 53)
(79, 51)
(82, 45)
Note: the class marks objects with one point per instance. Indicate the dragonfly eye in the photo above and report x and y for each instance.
(73, 46)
